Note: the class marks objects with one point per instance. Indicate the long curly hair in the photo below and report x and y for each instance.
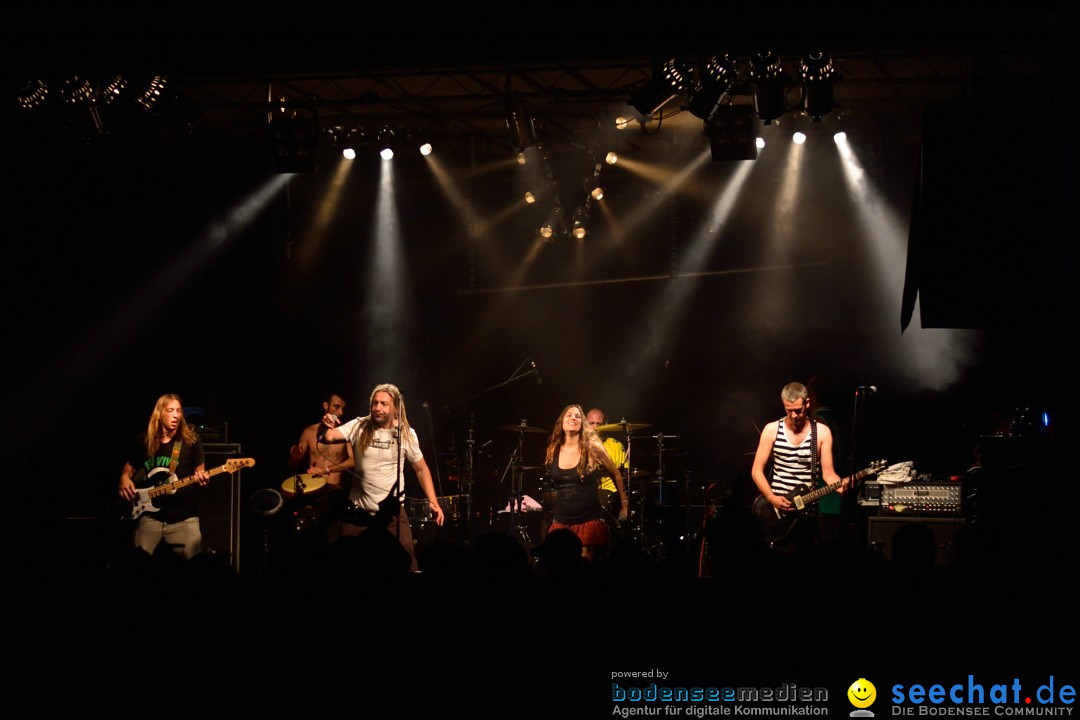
(154, 427)
(590, 442)
(368, 431)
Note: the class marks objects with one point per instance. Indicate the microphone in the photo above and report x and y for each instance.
(536, 372)
(867, 389)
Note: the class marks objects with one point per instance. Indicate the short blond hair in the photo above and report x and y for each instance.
(794, 391)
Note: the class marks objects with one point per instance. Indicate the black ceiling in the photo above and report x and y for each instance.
(278, 37)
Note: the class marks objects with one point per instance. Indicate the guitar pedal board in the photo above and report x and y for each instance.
(921, 497)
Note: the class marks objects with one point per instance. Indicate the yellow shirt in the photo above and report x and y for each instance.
(617, 453)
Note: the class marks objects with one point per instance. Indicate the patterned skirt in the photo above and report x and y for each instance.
(592, 532)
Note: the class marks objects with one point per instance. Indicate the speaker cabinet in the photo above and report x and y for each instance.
(985, 226)
(220, 503)
(941, 532)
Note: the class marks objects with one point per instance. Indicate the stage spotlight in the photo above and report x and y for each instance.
(839, 137)
(33, 95)
(521, 158)
(621, 122)
(593, 188)
(768, 76)
(386, 140)
(714, 87)
(580, 222)
(159, 100)
(522, 129)
(672, 80)
(80, 106)
(818, 74)
(115, 90)
(349, 153)
(425, 149)
(798, 138)
(731, 133)
(611, 158)
(554, 226)
(530, 198)
(153, 93)
(760, 143)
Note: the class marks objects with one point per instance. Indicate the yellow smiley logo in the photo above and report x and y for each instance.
(862, 693)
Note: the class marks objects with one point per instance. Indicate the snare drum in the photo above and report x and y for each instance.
(453, 507)
(418, 510)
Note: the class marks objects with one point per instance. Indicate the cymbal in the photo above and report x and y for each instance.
(526, 428)
(622, 425)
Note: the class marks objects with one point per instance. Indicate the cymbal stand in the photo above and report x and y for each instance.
(517, 478)
(467, 480)
(630, 520)
(660, 482)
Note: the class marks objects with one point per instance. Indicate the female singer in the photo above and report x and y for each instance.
(575, 462)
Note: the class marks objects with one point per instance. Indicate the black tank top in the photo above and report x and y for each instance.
(577, 499)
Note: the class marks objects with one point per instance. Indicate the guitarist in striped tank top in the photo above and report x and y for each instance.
(790, 444)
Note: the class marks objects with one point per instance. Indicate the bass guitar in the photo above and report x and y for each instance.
(143, 502)
(777, 525)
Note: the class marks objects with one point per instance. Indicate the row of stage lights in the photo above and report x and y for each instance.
(709, 86)
(85, 109)
(709, 89)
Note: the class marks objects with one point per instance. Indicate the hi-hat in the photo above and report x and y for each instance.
(524, 428)
(622, 425)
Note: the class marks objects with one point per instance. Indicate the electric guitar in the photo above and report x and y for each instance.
(143, 502)
(777, 525)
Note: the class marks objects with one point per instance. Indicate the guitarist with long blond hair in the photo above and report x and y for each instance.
(168, 444)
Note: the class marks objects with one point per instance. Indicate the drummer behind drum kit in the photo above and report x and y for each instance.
(651, 492)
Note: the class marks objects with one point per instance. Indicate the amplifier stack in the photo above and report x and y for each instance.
(925, 497)
(941, 498)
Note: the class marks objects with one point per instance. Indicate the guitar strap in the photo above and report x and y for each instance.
(815, 462)
(175, 455)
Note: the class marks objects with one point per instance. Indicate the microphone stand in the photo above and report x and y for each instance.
(849, 507)
(514, 377)
(468, 478)
(516, 485)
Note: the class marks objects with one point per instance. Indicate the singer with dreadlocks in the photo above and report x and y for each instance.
(382, 442)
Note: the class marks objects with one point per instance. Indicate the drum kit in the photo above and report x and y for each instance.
(651, 493)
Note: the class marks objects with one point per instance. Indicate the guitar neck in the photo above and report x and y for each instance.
(183, 482)
(823, 491)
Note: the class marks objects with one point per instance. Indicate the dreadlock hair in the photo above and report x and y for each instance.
(153, 427)
(368, 431)
(590, 442)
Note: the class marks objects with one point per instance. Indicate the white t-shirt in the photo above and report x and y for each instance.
(380, 465)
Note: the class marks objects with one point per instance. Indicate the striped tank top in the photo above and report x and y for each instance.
(792, 464)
